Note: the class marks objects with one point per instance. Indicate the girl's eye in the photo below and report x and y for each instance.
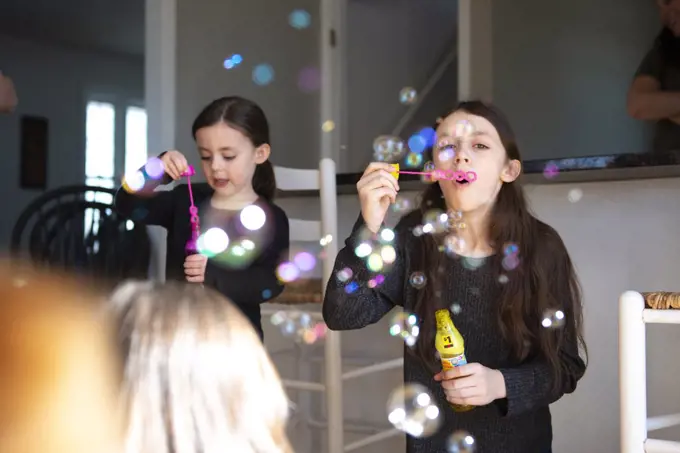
(480, 146)
(229, 157)
(205, 157)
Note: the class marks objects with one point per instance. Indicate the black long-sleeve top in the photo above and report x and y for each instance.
(246, 271)
(520, 423)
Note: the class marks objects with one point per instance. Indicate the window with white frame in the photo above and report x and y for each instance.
(103, 152)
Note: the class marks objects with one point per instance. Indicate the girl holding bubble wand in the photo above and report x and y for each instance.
(505, 275)
(244, 234)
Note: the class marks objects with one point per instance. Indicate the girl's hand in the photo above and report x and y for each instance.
(377, 190)
(194, 268)
(472, 384)
(174, 164)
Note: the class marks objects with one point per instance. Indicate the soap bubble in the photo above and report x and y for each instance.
(344, 275)
(287, 272)
(575, 195)
(413, 160)
(408, 95)
(454, 245)
(553, 319)
(464, 129)
(263, 74)
(388, 254)
(417, 143)
(511, 258)
(328, 126)
(253, 217)
(401, 205)
(436, 221)
(309, 79)
(387, 148)
(134, 181)
(154, 168)
(405, 325)
(299, 19)
(387, 235)
(374, 262)
(551, 170)
(213, 242)
(418, 280)
(305, 261)
(411, 409)
(460, 442)
(510, 249)
(300, 325)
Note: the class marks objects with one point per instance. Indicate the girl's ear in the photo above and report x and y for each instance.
(511, 171)
(262, 153)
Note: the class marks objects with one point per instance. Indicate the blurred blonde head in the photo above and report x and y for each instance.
(58, 368)
(197, 378)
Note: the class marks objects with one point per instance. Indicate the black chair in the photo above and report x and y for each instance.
(77, 230)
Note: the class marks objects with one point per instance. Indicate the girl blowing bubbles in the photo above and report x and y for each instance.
(232, 136)
(517, 367)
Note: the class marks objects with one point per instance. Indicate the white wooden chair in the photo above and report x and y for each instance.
(635, 426)
(323, 180)
(289, 179)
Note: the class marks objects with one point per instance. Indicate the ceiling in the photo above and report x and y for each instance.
(102, 25)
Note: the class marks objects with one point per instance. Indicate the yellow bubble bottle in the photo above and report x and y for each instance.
(449, 343)
(395, 172)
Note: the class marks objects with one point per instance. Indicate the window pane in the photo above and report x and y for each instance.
(135, 139)
(92, 216)
(100, 140)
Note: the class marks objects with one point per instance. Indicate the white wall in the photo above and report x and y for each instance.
(621, 235)
(54, 82)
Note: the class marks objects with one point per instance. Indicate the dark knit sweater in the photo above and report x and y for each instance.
(521, 422)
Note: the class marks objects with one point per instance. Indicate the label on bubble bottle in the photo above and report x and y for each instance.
(449, 363)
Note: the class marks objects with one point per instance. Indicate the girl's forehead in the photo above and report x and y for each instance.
(462, 123)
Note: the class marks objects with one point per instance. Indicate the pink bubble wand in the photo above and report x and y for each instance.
(451, 175)
(191, 247)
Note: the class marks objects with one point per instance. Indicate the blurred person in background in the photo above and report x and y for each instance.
(8, 95)
(58, 369)
(655, 92)
(197, 378)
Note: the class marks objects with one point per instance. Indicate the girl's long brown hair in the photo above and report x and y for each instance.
(544, 280)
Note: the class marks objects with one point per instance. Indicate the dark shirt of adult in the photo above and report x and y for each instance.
(655, 92)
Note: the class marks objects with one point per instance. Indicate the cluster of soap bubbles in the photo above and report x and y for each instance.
(411, 409)
(377, 250)
(289, 271)
(436, 221)
(401, 205)
(299, 325)
(390, 148)
(233, 61)
(153, 170)
(553, 319)
(405, 326)
(408, 95)
(309, 79)
(215, 242)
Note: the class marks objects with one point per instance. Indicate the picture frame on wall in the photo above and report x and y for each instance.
(34, 147)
